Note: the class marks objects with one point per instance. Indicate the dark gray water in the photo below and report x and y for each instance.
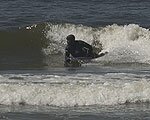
(122, 112)
(18, 13)
(34, 85)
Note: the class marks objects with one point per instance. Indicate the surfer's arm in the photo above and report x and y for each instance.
(67, 54)
(102, 54)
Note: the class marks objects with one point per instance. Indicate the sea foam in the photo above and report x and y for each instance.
(75, 90)
(128, 43)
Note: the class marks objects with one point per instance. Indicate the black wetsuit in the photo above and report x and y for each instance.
(79, 49)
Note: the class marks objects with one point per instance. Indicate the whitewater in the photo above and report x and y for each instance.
(35, 85)
(74, 89)
(124, 44)
(120, 77)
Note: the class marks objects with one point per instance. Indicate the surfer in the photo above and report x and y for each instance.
(78, 50)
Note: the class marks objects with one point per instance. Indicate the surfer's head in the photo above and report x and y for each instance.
(70, 39)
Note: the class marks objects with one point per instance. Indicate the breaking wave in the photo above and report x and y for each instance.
(74, 90)
(125, 44)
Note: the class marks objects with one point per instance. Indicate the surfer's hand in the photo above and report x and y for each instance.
(106, 52)
(103, 52)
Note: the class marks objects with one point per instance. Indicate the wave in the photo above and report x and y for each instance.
(22, 48)
(31, 37)
(125, 44)
(56, 90)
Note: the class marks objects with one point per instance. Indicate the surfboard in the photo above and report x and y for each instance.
(77, 62)
(73, 63)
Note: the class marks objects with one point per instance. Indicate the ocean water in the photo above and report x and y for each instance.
(35, 85)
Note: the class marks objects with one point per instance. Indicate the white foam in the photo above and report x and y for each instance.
(128, 43)
(58, 33)
(74, 89)
(71, 95)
